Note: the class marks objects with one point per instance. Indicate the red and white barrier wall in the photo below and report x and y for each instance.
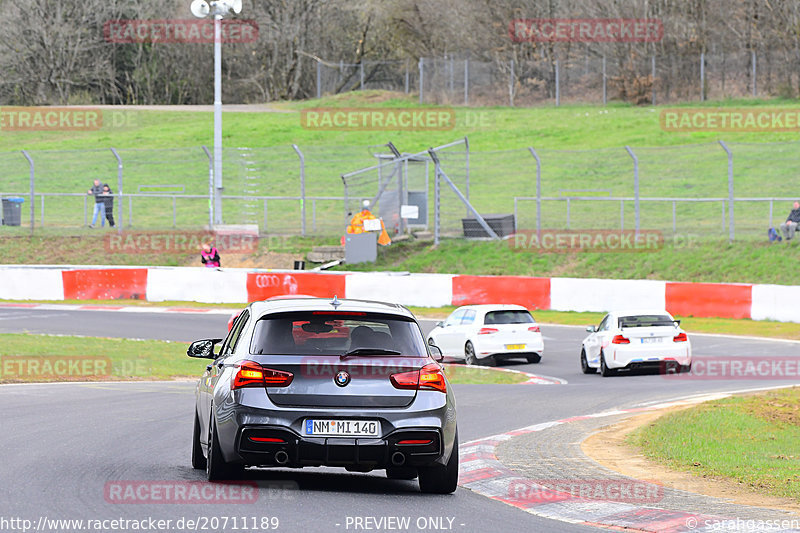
(759, 302)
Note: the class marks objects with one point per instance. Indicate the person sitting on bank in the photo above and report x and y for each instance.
(210, 256)
(357, 224)
(792, 221)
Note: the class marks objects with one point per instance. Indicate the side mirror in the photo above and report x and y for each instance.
(203, 349)
(677, 323)
(436, 353)
(440, 324)
(591, 329)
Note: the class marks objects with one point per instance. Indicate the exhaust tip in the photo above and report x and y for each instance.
(398, 459)
(281, 457)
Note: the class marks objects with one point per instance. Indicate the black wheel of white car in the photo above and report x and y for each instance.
(686, 368)
(198, 459)
(469, 354)
(585, 368)
(441, 479)
(604, 370)
(534, 358)
(216, 467)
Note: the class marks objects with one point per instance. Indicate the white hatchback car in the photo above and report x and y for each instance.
(627, 340)
(484, 334)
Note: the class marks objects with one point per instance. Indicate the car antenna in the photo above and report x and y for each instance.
(335, 302)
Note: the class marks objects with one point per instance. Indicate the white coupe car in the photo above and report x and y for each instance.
(485, 334)
(630, 340)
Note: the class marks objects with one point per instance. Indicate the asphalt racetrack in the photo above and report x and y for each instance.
(67, 447)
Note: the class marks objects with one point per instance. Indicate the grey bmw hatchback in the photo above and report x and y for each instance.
(320, 382)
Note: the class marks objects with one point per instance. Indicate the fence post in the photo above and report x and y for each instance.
(210, 188)
(436, 206)
(702, 76)
(32, 178)
(558, 86)
(511, 85)
(466, 165)
(421, 80)
(119, 189)
(466, 82)
(653, 76)
(319, 79)
(731, 222)
(635, 188)
(538, 191)
(605, 83)
(755, 71)
(302, 189)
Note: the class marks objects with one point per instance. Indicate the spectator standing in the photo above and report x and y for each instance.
(108, 201)
(210, 256)
(99, 204)
(792, 221)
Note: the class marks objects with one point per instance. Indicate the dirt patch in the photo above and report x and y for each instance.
(609, 448)
(780, 409)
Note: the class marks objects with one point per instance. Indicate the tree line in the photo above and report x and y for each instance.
(56, 51)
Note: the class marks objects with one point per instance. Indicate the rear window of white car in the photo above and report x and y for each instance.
(332, 333)
(513, 316)
(642, 321)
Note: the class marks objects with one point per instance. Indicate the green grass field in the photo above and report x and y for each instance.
(752, 440)
(27, 358)
(582, 148)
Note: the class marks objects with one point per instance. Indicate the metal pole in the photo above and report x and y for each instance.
(538, 191)
(653, 76)
(466, 82)
(421, 79)
(218, 117)
(753, 56)
(32, 179)
(85, 213)
(635, 187)
(302, 189)
(466, 155)
(511, 85)
(702, 76)
(210, 188)
(731, 222)
(605, 85)
(568, 211)
(119, 189)
(319, 80)
(436, 207)
(558, 86)
(674, 219)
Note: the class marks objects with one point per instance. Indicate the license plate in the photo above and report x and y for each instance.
(342, 428)
(650, 340)
(515, 346)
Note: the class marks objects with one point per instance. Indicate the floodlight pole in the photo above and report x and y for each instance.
(218, 117)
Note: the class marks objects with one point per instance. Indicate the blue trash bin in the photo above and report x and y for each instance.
(12, 211)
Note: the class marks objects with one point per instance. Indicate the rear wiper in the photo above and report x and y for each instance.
(367, 351)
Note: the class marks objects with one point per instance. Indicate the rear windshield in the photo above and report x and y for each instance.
(328, 333)
(639, 321)
(513, 316)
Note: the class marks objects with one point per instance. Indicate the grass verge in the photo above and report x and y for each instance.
(750, 440)
(27, 358)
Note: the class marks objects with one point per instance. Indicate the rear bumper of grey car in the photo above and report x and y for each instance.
(275, 446)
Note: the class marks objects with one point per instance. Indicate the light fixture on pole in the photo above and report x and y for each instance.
(217, 9)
